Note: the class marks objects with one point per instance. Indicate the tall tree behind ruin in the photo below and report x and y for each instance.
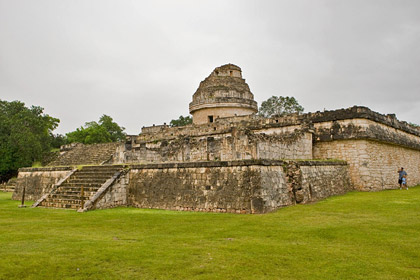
(104, 131)
(181, 121)
(279, 106)
(25, 136)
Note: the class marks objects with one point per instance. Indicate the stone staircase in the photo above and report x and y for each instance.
(86, 155)
(68, 195)
(7, 188)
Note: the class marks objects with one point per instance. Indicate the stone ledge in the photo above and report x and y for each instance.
(45, 169)
(233, 163)
(217, 102)
(374, 133)
(360, 112)
(253, 122)
(320, 162)
(197, 164)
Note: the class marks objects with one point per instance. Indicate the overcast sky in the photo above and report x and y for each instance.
(141, 61)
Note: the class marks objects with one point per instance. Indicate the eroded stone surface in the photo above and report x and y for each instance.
(235, 161)
(222, 94)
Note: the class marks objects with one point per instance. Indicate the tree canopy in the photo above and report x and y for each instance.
(25, 136)
(106, 130)
(414, 124)
(279, 106)
(181, 121)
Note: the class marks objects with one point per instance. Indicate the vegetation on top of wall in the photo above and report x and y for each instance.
(37, 164)
(414, 124)
(181, 121)
(104, 131)
(278, 106)
(25, 136)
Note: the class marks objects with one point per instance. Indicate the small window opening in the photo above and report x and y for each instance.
(211, 119)
(231, 73)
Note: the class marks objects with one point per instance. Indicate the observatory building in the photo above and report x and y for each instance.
(224, 93)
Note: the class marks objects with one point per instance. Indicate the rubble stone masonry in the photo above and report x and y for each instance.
(373, 165)
(38, 181)
(115, 196)
(236, 145)
(251, 186)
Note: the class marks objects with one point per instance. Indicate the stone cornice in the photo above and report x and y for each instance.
(219, 102)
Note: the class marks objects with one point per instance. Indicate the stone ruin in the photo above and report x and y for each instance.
(230, 159)
(222, 94)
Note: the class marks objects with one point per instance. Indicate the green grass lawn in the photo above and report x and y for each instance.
(355, 236)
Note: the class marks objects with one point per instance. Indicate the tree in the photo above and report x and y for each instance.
(103, 132)
(414, 125)
(279, 106)
(58, 140)
(25, 136)
(116, 131)
(181, 121)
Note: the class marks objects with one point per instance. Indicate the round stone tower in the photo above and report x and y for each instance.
(222, 94)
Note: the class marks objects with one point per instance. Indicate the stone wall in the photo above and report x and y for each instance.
(287, 123)
(323, 180)
(364, 129)
(273, 147)
(245, 186)
(236, 145)
(38, 181)
(221, 189)
(115, 195)
(81, 154)
(250, 186)
(202, 116)
(373, 165)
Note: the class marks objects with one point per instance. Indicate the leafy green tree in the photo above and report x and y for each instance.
(116, 131)
(181, 121)
(279, 106)
(58, 140)
(103, 132)
(25, 136)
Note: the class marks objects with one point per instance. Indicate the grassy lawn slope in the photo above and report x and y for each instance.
(355, 236)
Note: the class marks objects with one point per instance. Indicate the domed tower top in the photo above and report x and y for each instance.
(222, 94)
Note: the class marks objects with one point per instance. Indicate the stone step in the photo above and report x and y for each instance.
(90, 191)
(98, 169)
(59, 205)
(66, 200)
(7, 188)
(99, 172)
(91, 178)
(76, 189)
(87, 154)
(62, 200)
(88, 176)
(84, 181)
(105, 165)
(71, 184)
(102, 167)
(75, 195)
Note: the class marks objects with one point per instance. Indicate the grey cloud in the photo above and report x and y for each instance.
(141, 61)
